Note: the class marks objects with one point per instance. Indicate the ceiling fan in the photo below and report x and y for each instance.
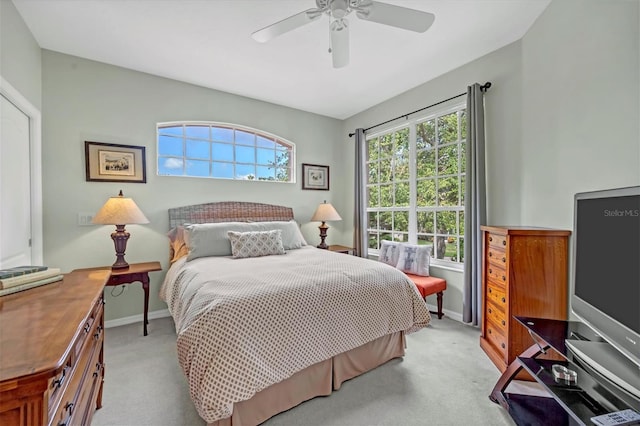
(337, 10)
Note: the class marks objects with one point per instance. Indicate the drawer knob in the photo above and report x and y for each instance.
(503, 346)
(69, 406)
(490, 311)
(503, 322)
(504, 300)
(490, 271)
(490, 239)
(490, 254)
(87, 326)
(504, 278)
(504, 260)
(504, 242)
(489, 331)
(490, 291)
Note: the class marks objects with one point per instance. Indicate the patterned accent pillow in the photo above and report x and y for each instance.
(414, 259)
(255, 244)
(389, 251)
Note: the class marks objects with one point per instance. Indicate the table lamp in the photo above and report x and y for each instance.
(324, 213)
(120, 211)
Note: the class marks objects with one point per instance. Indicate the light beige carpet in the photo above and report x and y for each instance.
(444, 379)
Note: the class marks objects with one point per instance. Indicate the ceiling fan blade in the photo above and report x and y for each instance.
(288, 24)
(340, 43)
(395, 16)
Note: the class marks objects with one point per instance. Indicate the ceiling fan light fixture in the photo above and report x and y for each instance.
(339, 8)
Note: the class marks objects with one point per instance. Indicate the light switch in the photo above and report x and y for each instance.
(84, 219)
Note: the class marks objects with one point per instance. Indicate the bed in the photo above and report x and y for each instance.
(258, 335)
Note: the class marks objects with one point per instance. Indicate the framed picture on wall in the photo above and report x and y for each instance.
(315, 176)
(108, 162)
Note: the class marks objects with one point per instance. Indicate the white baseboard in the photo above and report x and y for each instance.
(447, 313)
(136, 318)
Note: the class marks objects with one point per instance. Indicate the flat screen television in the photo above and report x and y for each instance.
(606, 277)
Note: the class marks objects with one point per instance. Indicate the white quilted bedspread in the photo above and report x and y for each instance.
(245, 324)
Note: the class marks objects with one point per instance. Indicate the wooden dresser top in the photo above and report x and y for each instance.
(38, 325)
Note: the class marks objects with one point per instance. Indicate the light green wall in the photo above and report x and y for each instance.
(20, 61)
(561, 116)
(89, 101)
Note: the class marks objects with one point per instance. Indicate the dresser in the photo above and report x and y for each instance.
(51, 352)
(524, 273)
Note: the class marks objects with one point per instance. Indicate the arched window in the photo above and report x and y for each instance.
(223, 151)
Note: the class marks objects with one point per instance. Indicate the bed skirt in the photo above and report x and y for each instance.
(320, 379)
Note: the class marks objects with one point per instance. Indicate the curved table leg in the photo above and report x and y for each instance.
(497, 394)
(145, 287)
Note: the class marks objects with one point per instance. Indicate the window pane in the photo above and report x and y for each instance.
(461, 222)
(170, 166)
(426, 193)
(245, 154)
(266, 173)
(463, 124)
(401, 221)
(448, 191)
(401, 167)
(402, 142)
(265, 143)
(245, 171)
(425, 222)
(386, 171)
(222, 152)
(222, 170)
(426, 134)
(199, 132)
(463, 157)
(385, 236)
(451, 250)
(448, 160)
(168, 145)
(402, 194)
(386, 221)
(446, 222)
(372, 220)
(283, 174)
(197, 149)
(386, 195)
(372, 149)
(448, 128)
(266, 156)
(426, 163)
(222, 134)
(374, 199)
(197, 168)
(245, 138)
(283, 159)
(177, 130)
(373, 240)
(426, 240)
(372, 172)
(463, 187)
(386, 145)
(461, 241)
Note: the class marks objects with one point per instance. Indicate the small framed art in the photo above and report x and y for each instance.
(315, 177)
(108, 162)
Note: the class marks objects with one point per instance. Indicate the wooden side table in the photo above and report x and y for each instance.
(136, 272)
(341, 249)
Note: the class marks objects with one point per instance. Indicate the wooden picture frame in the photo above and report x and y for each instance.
(315, 176)
(109, 162)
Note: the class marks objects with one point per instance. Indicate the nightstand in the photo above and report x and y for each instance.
(341, 249)
(136, 272)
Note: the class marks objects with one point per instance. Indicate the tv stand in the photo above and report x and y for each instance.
(570, 403)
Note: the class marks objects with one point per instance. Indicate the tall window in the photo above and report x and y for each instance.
(223, 151)
(416, 184)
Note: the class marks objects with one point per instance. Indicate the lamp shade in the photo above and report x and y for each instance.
(119, 211)
(325, 213)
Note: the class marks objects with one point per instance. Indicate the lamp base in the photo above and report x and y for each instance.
(120, 238)
(323, 234)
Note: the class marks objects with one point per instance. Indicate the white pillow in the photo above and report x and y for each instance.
(211, 239)
(389, 251)
(414, 259)
(256, 243)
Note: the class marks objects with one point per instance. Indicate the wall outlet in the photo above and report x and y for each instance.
(84, 219)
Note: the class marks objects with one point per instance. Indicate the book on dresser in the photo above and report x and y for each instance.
(524, 273)
(8, 282)
(20, 270)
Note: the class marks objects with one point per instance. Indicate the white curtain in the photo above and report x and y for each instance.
(360, 202)
(475, 206)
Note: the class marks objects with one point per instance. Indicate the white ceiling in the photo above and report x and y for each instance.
(208, 43)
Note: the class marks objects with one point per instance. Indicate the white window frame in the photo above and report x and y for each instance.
(413, 209)
(290, 146)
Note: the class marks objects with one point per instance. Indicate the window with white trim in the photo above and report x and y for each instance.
(416, 184)
(223, 151)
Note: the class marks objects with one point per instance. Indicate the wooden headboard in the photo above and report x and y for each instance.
(228, 211)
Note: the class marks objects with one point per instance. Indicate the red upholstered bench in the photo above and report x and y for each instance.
(429, 285)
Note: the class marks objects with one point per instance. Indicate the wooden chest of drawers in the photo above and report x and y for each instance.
(524, 273)
(51, 352)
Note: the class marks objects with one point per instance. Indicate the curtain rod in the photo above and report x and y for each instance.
(484, 88)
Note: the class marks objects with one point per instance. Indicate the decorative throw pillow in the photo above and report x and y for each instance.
(177, 245)
(414, 259)
(255, 244)
(389, 251)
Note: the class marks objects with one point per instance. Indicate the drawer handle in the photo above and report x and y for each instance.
(503, 322)
(504, 278)
(504, 300)
(489, 331)
(87, 326)
(490, 291)
(66, 421)
(96, 335)
(98, 368)
(490, 311)
(504, 242)
(503, 346)
(69, 406)
(57, 384)
(490, 239)
(490, 254)
(490, 271)
(504, 260)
